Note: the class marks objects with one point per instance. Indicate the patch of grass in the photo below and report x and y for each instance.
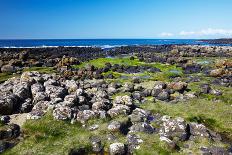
(49, 136)
(5, 76)
(100, 62)
(167, 70)
(41, 69)
(215, 115)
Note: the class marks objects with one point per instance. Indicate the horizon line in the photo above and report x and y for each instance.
(112, 38)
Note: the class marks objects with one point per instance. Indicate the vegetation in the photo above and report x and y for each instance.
(215, 115)
(6, 76)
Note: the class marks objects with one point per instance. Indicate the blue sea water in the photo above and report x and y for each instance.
(103, 43)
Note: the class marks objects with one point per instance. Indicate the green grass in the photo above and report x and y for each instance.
(100, 62)
(165, 73)
(6, 76)
(216, 115)
(49, 136)
(41, 69)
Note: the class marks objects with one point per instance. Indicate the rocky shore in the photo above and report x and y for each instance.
(125, 100)
(219, 41)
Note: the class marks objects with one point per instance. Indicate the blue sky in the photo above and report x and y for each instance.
(23, 19)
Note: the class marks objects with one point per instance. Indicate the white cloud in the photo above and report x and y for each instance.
(166, 34)
(207, 32)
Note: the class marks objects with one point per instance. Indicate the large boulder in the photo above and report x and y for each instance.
(85, 115)
(118, 110)
(174, 128)
(71, 85)
(9, 131)
(126, 100)
(37, 87)
(8, 68)
(217, 72)
(40, 96)
(133, 141)
(142, 127)
(22, 91)
(56, 91)
(8, 104)
(114, 126)
(178, 86)
(62, 113)
(117, 149)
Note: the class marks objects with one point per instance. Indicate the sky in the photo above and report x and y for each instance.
(93, 19)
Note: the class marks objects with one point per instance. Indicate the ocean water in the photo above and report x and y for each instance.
(103, 43)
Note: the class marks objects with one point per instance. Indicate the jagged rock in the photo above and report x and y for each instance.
(111, 90)
(35, 114)
(171, 144)
(174, 128)
(81, 100)
(163, 96)
(133, 142)
(56, 91)
(147, 92)
(1, 63)
(26, 106)
(31, 77)
(8, 104)
(178, 86)
(205, 88)
(40, 96)
(217, 72)
(118, 110)
(72, 99)
(160, 85)
(37, 87)
(128, 87)
(79, 92)
(117, 149)
(96, 144)
(5, 119)
(114, 126)
(198, 130)
(137, 96)
(83, 116)
(100, 105)
(142, 127)
(139, 115)
(62, 113)
(42, 105)
(50, 82)
(9, 131)
(3, 146)
(22, 91)
(126, 100)
(71, 85)
(215, 92)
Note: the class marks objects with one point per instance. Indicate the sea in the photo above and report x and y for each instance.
(102, 43)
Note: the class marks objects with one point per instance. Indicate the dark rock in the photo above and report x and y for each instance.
(96, 144)
(10, 131)
(163, 96)
(8, 104)
(142, 127)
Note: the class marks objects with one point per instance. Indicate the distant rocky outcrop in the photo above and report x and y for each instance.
(219, 41)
